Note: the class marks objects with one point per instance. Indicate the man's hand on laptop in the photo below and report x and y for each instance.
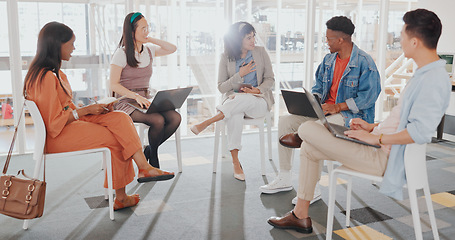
(330, 108)
(334, 108)
(142, 101)
(363, 135)
(360, 124)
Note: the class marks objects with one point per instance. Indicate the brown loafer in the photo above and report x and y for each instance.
(291, 140)
(290, 221)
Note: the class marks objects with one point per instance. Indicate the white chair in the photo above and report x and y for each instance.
(141, 128)
(259, 122)
(39, 156)
(417, 178)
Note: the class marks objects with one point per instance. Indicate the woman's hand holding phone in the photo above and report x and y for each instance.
(252, 90)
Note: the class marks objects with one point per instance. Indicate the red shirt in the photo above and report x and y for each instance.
(340, 66)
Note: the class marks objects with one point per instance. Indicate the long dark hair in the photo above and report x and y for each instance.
(48, 53)
(234, 38)
(128, 39)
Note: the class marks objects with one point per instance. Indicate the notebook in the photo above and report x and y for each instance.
(336, 130)
(166, 100)
(109, 100)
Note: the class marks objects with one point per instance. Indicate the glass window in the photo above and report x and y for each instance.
(200, 43)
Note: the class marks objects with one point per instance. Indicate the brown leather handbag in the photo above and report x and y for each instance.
(21, 198)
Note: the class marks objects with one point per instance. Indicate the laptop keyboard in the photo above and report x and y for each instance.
(339, 129)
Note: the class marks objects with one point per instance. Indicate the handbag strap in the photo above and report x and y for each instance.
(8, 158)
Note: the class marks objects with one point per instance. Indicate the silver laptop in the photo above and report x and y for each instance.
(166, 100)
(336, 130)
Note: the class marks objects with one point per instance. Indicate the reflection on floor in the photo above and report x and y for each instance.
(198, 204)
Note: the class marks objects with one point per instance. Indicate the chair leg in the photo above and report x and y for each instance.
(179, 148)
(262, 148)
(141, 133)
(25, 225)
(348, 201)
(217, 145)
(269, 135)
(329, 168)
(330, 211)
(415, 214)
(430, 210)
(107, 157)
(104, 167)
(35, 175)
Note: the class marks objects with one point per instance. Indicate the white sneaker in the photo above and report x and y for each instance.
(281, 183)
(316, 196)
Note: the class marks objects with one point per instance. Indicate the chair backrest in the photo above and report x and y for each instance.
(40, 129)
(415, 165)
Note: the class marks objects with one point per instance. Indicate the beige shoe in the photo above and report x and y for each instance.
(239, 176)
(195, 130)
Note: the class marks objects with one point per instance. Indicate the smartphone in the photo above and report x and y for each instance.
(238, 86)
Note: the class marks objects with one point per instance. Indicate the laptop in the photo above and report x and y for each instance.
(297, 103)
(336, 130)
(166, 100)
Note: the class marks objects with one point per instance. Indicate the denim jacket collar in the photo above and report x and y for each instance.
(353, 59)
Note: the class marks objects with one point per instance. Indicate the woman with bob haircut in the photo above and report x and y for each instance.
(94, 126)
(245, 78)
(131, 69)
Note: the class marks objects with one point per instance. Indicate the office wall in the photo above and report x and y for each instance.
(445, 10)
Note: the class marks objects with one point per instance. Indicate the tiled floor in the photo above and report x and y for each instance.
(198, 204)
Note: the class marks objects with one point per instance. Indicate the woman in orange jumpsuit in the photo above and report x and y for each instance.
(94, 126)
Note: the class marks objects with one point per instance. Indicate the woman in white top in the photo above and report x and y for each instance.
(131, 69)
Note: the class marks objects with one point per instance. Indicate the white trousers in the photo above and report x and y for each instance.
(290, 124)
(235, 110)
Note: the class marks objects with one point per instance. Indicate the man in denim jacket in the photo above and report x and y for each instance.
(348, 84)
(359, 86)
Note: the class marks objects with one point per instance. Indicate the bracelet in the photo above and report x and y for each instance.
(75, 115)
(380, 138)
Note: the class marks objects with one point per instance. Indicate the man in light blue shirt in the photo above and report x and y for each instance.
(414, 120)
